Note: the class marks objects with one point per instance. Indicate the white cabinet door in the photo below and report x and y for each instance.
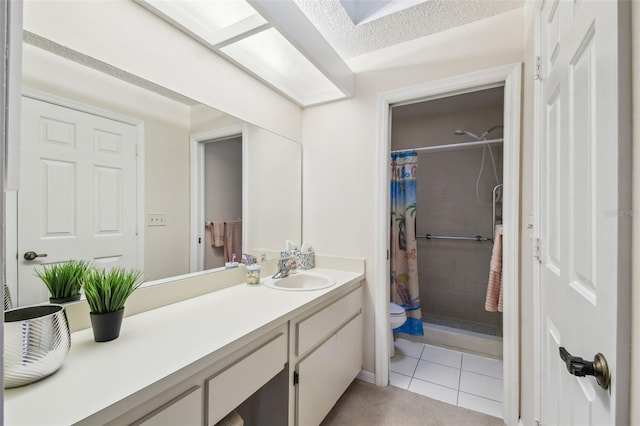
(326, 373)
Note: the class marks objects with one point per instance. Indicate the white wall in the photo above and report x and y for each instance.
(127, 36)
(274, 191)
(339, 138)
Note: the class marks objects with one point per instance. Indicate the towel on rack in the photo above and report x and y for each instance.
(217, 234)
(493, 300)
(232, 240)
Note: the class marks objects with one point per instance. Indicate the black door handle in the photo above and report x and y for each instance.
(32, 255)
(581, 368)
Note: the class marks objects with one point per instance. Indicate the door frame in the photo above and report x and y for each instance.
(197, 143)
(11, 197)
(510, 77)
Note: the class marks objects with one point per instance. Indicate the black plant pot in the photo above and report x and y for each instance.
(106, 326)
(64, 299)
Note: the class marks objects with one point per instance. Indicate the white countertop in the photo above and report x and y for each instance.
(153, 345)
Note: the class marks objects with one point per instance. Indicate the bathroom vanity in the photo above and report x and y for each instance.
(274, 356)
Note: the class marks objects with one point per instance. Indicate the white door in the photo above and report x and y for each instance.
(584, 201)
(78, 192)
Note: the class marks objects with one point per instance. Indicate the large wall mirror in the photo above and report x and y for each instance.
(195, 166)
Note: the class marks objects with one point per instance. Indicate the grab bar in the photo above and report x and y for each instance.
(451, 237)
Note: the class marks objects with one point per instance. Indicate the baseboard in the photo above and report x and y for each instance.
(367, 376)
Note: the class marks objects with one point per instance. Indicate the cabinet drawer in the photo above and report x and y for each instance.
(315, 328)
(232, 385)
(185, 410)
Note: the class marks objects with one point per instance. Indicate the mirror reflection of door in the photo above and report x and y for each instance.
(78, 193)
(222, 193)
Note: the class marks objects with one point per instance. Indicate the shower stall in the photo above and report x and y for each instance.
(459, 209)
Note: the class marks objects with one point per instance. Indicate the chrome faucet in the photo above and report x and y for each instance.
(285, 265)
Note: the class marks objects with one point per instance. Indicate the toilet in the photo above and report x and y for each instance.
(397, 317)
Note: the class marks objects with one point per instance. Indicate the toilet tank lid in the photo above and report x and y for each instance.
(395, 309)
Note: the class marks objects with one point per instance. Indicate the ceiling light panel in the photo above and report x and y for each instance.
(214, 23)
(234, 29)
(216, 15)
(271, 57)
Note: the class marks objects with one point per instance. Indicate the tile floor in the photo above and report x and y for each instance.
(458, 378)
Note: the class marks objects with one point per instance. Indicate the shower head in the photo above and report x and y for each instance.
(484, 135)
(481, 137)
(465, 132)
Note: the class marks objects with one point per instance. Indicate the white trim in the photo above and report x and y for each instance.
(510, 76)
(367, 376)
(511, 246)
(11, 244)
(12, 261)
(196, 253)
(13, 84)
(293, 24)
(537, 295)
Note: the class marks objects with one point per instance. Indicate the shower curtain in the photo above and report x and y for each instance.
(404, 256)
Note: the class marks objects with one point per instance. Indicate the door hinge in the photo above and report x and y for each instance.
(536, 250)
(136, 229)
(296, 378)
(537, 70)
(387, 254)
(199, 240)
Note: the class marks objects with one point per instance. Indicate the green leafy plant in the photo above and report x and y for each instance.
(108, 291)
(64, 280)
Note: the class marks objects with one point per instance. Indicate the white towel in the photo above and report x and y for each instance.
(231, 419)
(493, 300)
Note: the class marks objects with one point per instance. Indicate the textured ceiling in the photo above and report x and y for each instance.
(433, 16)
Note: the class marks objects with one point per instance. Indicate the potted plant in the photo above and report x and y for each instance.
(106, 293)
(64, 280)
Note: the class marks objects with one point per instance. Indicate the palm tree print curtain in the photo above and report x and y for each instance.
(404, 255)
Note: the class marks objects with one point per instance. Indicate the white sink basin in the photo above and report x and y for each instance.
(302, 281)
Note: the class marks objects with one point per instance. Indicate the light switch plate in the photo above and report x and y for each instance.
(156, 219)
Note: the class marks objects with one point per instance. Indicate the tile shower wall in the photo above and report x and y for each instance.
(453, 274)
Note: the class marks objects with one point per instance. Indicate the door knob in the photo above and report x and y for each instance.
(31, 255)
(580, 368)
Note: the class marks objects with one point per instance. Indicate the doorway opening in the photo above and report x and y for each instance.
(507, 77)
(222, 195)
(217, 196)
(456, 145)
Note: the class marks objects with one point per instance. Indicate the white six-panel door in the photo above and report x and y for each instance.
(584, 187)
(78, 192)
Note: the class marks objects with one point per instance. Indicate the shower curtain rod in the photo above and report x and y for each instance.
(450, 146)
